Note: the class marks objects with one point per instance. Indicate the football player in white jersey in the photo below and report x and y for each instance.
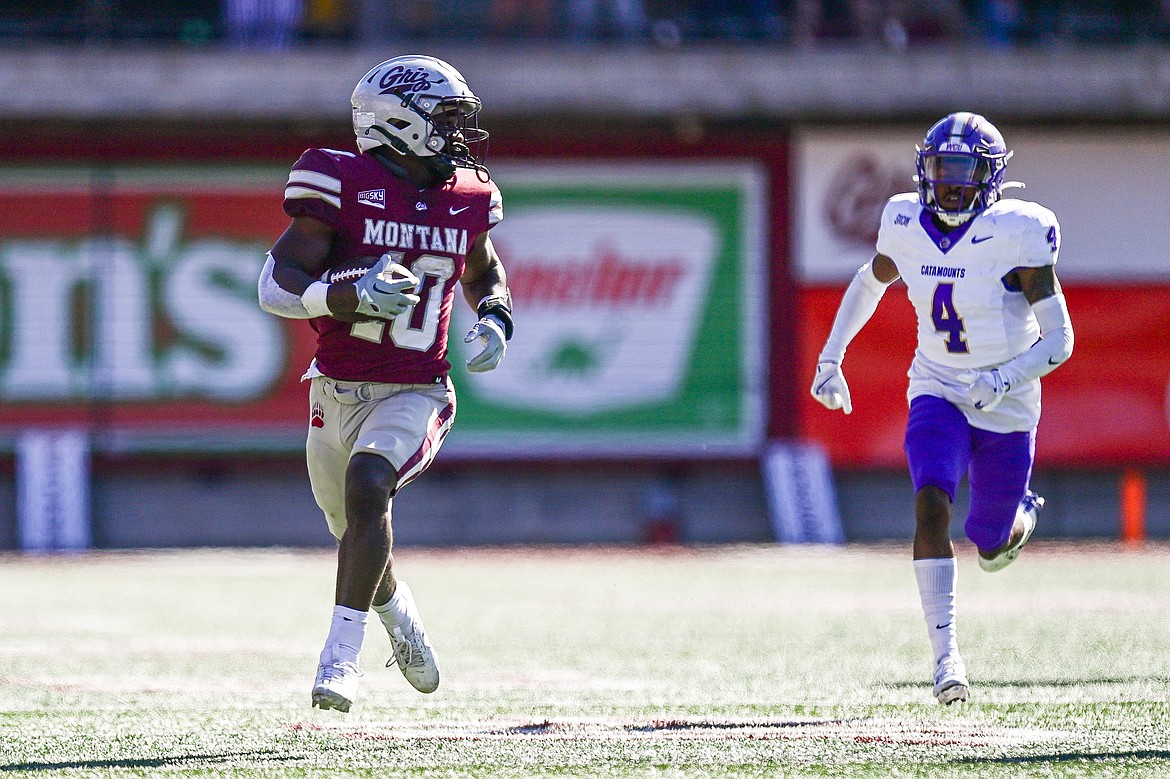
(980, 271)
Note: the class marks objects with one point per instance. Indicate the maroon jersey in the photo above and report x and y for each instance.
(372, 211)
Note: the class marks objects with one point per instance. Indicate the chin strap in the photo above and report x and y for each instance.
(954, 220)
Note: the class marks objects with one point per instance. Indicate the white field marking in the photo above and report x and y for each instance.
(885, 731)
(554, 679)
(138, 684)
(1075, 601)
(166, 645)
(126, 679)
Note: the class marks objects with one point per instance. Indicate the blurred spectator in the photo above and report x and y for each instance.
(381, 21)
(1002, 21)
(1056, 22)
(729, 20)
(264, 24)
(97, 20)
(624, 20)
(520, 19)
(894, 24)
(327, 20)
(1108, 21)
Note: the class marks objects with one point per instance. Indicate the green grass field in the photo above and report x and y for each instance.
(741, 661)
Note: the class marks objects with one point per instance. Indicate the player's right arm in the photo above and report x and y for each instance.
(858, 305)
(290, 284)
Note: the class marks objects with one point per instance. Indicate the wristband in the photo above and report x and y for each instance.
(315, 299)
(500, 307)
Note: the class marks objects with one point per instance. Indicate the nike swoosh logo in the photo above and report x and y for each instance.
(940, 627)
(1052, 362)
(456, 211)
(382, 290)
(976, 239)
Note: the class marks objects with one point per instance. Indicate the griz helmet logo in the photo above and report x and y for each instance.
(400, 80)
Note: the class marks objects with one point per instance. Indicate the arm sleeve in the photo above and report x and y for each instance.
(857, 306)
(1054, 347)
(275, 299)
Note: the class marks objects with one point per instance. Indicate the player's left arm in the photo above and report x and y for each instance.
(1042, 290)
(485, 286)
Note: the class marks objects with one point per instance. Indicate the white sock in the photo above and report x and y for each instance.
(936, 589)
(399, 609)
(346, 634)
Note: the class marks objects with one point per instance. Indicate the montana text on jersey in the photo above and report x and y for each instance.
(371, 212)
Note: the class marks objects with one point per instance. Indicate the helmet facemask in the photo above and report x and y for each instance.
(957, 186)
(960, 168)
(453, 131)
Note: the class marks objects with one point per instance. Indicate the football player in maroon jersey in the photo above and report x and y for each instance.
(415, 207)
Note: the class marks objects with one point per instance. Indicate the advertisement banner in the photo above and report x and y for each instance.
(1106, 406)
(128, 308)
(639, 291)
(1102, 186)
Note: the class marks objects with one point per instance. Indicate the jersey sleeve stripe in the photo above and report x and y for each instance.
(319, 180)
(304, 193)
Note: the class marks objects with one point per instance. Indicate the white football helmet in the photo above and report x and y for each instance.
(419, 106)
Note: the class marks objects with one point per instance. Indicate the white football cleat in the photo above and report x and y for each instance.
(337, 681)
(950, 680)
(1028, 513)
(412, 651)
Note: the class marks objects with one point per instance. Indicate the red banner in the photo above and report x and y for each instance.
(1106, 406)
(131, 304)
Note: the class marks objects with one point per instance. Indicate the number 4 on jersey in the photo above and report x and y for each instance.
(947, 319)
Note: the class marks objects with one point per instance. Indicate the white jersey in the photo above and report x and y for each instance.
(968, 317)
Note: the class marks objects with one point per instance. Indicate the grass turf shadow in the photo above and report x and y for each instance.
(1069, 757)
(156, 762)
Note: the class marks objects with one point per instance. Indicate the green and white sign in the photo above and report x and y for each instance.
(639, 294)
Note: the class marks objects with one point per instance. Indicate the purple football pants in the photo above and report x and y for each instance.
(941, 445)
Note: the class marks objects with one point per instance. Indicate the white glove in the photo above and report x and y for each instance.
(987, 388)
(386, 290)
(490, 330)
(830, 389)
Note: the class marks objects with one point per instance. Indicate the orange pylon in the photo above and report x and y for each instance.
(1133, 507)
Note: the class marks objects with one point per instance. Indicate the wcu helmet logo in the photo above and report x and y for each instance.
(400, 80)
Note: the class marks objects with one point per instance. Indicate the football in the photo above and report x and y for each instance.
(349, 271)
